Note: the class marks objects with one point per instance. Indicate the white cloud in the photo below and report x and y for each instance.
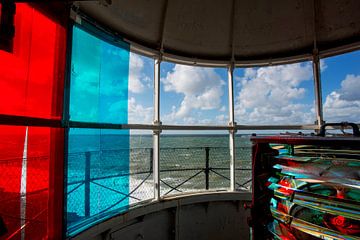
(344, 104)
(350, 88)
(223, 109)
(268, 95)
(222, 119)
(202, 89)
(138, 113)
(323, 65)
(138, 81)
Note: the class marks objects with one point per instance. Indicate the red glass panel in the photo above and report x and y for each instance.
(31, 163)
(11, 158)
(31, 78)
(37, 184)
(14, 66)
(31, 159)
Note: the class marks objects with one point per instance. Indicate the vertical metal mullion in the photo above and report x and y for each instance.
(232, 124)
(65, 124)
(156, 133)
(317, 89)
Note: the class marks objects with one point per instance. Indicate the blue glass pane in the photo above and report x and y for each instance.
(99, 80)
(97, 176)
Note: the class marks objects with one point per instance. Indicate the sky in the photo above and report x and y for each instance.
(265, 95)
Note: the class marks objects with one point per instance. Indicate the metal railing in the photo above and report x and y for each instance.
(181, 170)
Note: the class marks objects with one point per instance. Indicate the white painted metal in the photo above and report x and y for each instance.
(231, 124)
(23, 186)
(186, 216)
(209, 127)
(156, 132)
(317, 89)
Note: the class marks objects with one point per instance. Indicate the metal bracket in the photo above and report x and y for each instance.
(158, 125)
(233, 127)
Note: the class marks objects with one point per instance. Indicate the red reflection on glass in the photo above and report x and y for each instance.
(286, 232)
(342, 224)
(32, 75)
(286, 187)
(282, 207)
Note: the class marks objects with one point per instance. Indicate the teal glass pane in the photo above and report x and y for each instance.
(97, 176)
(99, 79)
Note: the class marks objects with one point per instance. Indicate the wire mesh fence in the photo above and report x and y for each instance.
(202, 168)
(94, 175)
(24, 196)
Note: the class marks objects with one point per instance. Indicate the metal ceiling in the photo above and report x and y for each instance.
(243, 31)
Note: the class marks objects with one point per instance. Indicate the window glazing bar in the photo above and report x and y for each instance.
(231, 124)
(28, 121)
(317, 89)
(156, 132)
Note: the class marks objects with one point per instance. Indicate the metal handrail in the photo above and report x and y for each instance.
(207, 169)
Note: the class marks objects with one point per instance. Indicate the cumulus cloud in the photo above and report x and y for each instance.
(269, 95)
(344, 104)
(222, 119)
(138, 81)
(202, 89)
(350, 88)
(138, 113)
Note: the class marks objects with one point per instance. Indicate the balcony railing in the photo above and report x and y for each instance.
(182, 170)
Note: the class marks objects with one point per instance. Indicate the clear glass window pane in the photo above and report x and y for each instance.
(194, 161)
(141, 85)
(340, 77)
(274, 95)
(193, 95)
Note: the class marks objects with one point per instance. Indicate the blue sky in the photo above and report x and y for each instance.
(341, 88)
(266, 95)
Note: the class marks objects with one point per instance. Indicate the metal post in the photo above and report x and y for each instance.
(207, 169)
(87, 183)
(151, 159)
(156, 133)
(317, 89)
(232, 124)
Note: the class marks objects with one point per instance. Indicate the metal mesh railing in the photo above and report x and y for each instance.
(102, 181)
(102, 175)
(34, 200)
(202, 168)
